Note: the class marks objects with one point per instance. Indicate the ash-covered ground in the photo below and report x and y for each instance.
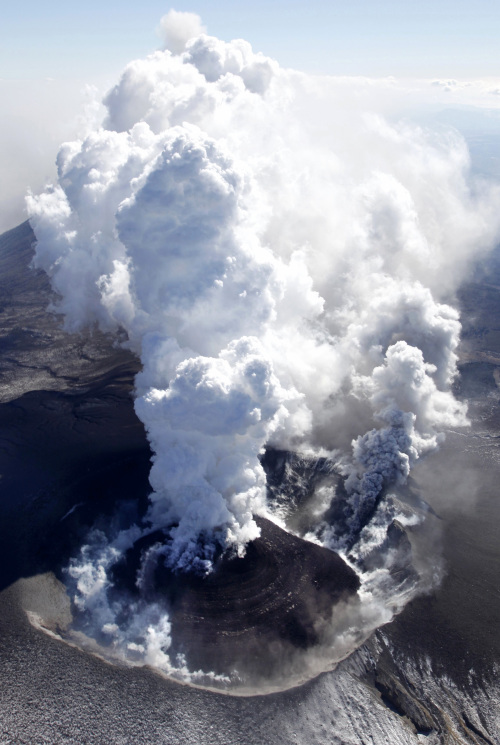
(72, 448)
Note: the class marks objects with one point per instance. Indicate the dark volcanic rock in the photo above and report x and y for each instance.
(36, 353)
(280, 594)
(71, 446)
(250, 611)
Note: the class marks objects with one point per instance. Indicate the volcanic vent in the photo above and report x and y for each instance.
(252, 610)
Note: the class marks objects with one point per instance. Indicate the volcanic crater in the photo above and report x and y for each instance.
(250, 610)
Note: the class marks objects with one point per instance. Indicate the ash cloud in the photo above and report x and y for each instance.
(282, 258)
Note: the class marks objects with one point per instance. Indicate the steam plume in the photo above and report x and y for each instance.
(280, 256)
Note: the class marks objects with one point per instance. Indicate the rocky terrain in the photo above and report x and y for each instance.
(72, 449)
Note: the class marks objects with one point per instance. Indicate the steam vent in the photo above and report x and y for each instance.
(251, 611)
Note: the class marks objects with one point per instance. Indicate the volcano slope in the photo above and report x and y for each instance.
(72, 449)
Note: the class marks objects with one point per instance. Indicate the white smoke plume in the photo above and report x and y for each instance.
(177, 28)
(281, 257)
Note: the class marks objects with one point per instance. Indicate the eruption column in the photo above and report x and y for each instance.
(278, 254)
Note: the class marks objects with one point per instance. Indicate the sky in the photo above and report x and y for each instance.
(51, 52)
(363, 37)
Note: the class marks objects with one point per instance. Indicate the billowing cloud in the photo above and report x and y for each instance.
(177, 28)
(282, 258)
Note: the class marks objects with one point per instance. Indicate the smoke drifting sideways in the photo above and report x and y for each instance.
(282, 258)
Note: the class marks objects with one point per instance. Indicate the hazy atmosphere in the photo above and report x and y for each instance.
(58, 60)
